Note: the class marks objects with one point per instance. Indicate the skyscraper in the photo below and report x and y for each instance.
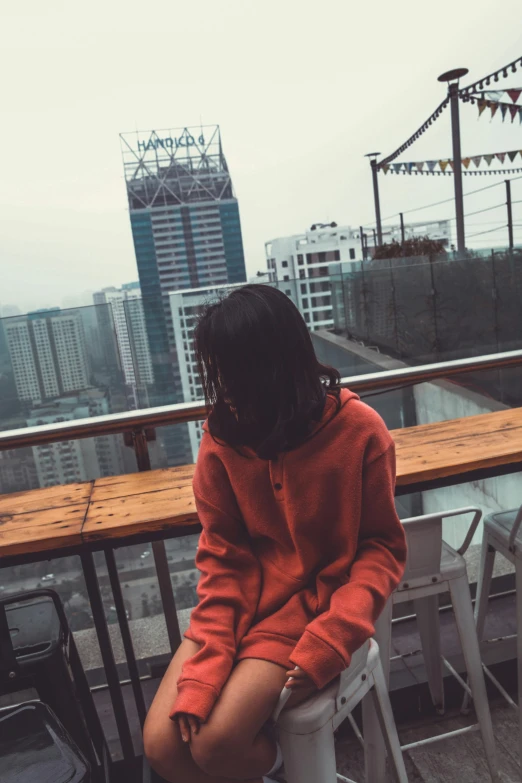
(186, 229)
(131, 335)
(48, 354)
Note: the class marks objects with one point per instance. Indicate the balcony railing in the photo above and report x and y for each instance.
(138, 428)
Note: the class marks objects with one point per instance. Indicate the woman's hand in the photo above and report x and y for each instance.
(188, 725)
(299, 681)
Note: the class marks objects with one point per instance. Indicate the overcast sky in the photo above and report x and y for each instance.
(301, 90)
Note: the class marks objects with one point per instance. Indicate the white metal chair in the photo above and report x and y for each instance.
(501, 534)
(306, 732)
(433, 567)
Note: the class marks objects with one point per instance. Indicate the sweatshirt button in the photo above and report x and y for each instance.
(278, 486)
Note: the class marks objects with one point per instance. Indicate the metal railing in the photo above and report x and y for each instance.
(140, 424)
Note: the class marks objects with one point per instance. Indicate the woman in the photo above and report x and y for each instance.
(301, 544)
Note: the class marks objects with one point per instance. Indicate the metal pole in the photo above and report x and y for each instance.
(361, 234)
(403, 236)
(509, 214)
(375, 238)
(375, 171)
(457, 166)
(168, 600)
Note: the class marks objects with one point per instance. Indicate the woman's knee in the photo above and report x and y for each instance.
(214, 751)
(164, 748)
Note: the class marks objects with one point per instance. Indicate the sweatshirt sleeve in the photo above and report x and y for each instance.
(228, 589)
(326, 647)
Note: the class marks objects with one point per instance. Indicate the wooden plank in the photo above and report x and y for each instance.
(41, 531)
(473, 427)
(455, 447)
(138, 514)
(138, 483)
(134, 504)
(40, 499)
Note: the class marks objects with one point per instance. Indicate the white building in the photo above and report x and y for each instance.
(75, 460)
(48, 354)
(299, 264)
(131, 333)
(185, 306)
(302, 264)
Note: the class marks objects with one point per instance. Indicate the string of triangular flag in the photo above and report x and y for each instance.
(496, 95)
(446, 164)
(511, 109)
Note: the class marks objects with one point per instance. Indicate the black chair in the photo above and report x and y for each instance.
(34, 746)
(37, 650)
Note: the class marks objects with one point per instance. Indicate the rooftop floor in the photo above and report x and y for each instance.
(459, 760)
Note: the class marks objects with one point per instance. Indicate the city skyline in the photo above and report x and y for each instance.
(296, 126)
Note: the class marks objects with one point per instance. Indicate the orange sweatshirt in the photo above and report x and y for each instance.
(298, 555)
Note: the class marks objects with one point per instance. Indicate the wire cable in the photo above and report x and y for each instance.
(479, 84)
(445, 201)
(480, 211)
(488, 231)
(424, 127)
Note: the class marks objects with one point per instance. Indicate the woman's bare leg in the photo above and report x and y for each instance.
(231, 745)
(167, 754)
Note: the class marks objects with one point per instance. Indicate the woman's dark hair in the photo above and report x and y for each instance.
(262, 381)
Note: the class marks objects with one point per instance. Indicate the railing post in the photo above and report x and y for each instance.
(139, 439)
(167, 594)
(126, 637)
(141, 449)
(509, 214)
(109, 663)
(403, 233)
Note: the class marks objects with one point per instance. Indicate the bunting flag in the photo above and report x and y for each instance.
(471, 173)
(446, 165)
(496, 95)
(494, 106)
(514, 94)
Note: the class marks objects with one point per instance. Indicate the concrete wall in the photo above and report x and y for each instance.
(424, 404)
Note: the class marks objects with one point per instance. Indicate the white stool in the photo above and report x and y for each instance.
(306, 732)
(433, 567)
(501, 535)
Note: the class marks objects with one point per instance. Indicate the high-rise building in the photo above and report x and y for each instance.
(48, 354)
(131, 335)
(186, 229)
